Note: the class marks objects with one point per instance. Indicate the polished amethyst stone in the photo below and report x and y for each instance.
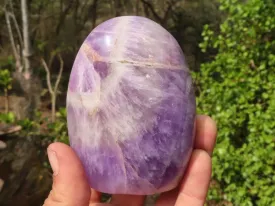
(131, 107)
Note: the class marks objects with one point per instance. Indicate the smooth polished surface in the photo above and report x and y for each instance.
(131, 107)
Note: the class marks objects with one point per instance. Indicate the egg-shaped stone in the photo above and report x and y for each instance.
(131, 107)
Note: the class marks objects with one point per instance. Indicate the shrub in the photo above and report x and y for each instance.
(237, 88)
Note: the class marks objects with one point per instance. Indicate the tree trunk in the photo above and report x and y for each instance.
(25, 82)
(31, 89)
(53, 106)
(6, 101)
(27, 51)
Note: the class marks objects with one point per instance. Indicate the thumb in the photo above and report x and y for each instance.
(70, 186)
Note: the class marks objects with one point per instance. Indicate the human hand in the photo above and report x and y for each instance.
(71, 188)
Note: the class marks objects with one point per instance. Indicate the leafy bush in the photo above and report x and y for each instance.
(58, 129)
(5, 79)
(237, 88)
(43, 127)
(5, 85)
(7, 118)
(28, 125)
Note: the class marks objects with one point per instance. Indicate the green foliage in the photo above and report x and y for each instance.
(58, 129)
(49, 132)
(237, 88)
(28, 125)
(5, 79)
(7, 118)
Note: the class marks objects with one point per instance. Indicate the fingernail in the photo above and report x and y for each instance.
(53, 161)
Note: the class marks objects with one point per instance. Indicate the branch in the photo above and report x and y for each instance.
(48, 76)
(158, 18)
(137, 7)
(11, 37)
(94, 10)
(11, 14)
(17, 28)
(118, 8)
(162, 20)
(59, 74)
(39, 17)
(11, 34)
(85, 5)
(86, 15)
(170, 4)
(10, 2)
(63, 16)
(91, 9)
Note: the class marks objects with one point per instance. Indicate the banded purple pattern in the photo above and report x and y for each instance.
(131, 107)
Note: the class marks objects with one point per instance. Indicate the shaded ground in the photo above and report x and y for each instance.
(26, 179)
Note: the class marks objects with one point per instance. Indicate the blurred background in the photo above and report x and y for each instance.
(229, 46)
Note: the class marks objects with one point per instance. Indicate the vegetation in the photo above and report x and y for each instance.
(5, 83)
(229, 46)
(237, 88)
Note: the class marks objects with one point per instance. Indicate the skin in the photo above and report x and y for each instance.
(70, 186)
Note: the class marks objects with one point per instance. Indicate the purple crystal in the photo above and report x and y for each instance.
(131, 107)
